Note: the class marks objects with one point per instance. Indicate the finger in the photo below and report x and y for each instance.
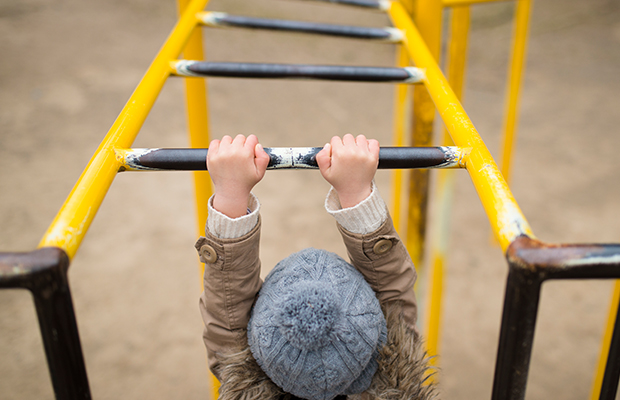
(374, 147)
(226, 140)
(361, 141)
(261, 159)
(323, 157)
(335, 143)
(239, 140)
(214, 146)
(348, 140)
(251, 142)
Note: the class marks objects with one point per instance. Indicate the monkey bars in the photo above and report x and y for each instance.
(289, 158)
(530, 261)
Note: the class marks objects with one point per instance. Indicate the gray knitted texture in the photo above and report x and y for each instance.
(317, 326)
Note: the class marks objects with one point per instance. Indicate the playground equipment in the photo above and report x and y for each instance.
(43, 271)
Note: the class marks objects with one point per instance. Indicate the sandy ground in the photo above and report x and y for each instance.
(67, 70)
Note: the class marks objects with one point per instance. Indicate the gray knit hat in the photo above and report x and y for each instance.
(317, 326)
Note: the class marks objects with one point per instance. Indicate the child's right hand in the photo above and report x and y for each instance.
(235, 166)
(349, 165)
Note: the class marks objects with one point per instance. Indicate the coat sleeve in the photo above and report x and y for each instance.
(231, 283)
(383, 260)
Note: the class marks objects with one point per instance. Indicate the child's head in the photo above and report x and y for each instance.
(317, 326)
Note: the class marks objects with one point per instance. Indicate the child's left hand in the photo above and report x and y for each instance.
(349, 165)
(235, 166)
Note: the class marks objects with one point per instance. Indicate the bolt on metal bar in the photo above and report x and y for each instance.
(373, 4)
(297, 71)
(288, 158)
(219, 19)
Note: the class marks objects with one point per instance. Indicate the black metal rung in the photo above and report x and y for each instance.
(298, 71)
(374, 4)
(291, 158)
(356, 32)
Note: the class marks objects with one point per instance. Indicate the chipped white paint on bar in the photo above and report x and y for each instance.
(396, 35)
(416, 75)
(611, 259)
(385, 5)
(181, 67)
(283, 157)
(131, 159)
(291, 157)
(453, 157)
(212, 18)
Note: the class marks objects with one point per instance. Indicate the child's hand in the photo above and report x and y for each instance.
(235, 167)
(349, 165)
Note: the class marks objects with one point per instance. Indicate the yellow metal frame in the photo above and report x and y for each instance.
(420, 47)
(427, 16)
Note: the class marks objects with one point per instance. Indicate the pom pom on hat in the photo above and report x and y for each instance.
(317, 326)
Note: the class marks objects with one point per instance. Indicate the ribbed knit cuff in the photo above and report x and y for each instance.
(365, 217)
(224, 227)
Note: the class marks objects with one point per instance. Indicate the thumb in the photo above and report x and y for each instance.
(261, 159)
(324, 158)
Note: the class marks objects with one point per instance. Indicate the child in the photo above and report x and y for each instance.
(320, 327)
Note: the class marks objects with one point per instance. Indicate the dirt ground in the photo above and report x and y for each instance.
(68, 68)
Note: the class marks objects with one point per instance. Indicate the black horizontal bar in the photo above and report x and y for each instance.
(292, 158)
(358, 32)
(299, 71)
(356, 3)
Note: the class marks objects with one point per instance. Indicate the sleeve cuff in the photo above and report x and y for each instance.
(365, 217)
(224, 227)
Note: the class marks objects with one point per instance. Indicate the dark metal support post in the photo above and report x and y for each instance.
(609, 387)
(44, 273)
(516, 335)
(530, 263)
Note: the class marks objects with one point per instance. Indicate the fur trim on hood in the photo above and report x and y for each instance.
(402, 374)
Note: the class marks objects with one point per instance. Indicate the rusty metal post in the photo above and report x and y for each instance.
(517, 334)
(532, 262)
(609, 387)
(44, 273)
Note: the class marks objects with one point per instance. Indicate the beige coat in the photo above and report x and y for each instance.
(232, 281)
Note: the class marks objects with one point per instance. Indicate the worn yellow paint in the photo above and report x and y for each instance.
(457, 55)
(197, 122)
(428, 16)
(400, 115)
(506, 219)
(75, 216)
(198, 129)
(517, 65)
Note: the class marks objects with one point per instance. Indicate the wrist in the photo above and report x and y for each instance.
(351, 198)
(233, 206)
